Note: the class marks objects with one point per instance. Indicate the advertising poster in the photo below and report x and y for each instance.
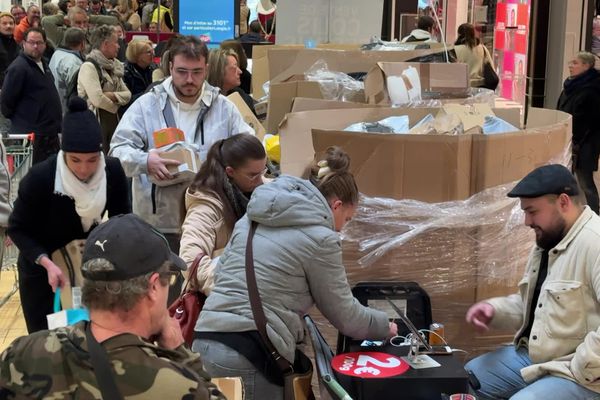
(510, 47)
(212, 20)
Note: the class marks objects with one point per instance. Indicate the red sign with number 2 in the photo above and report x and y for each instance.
(369, 365)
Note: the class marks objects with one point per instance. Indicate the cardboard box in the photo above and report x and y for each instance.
(438, 80)
(396, 166)
(248, 115)
(281, 97)
(287, 63)
(184, 172)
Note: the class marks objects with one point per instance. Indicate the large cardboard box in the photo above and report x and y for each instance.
(437, 80)
(281, 97)
(490, 160)
(260, 62)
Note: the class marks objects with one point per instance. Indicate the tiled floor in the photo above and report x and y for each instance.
(12, 324)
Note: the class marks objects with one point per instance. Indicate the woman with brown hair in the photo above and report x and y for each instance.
(217, 198)
(297, 263)
(471, 51)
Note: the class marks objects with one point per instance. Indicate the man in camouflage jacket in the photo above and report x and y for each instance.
(127, 269)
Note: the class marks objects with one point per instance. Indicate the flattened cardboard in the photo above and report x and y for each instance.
(429, 168)
(248, 115)
(306, 104)
(471, 115)
(282, 96)
(437, 80)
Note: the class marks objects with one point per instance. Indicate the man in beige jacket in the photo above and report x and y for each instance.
(556, 312)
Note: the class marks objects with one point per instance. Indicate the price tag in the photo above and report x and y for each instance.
(369, 365)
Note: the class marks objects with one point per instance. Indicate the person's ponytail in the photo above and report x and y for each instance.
(332, 177)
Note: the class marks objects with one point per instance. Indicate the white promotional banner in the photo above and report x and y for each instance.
(328, 21)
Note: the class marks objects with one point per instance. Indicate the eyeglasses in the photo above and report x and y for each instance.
(171, 276)
(34, 43)
(186, 72)
(254, 177)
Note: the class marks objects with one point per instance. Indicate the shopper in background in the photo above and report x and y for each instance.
(224, 73)
(65, 64)
(470, 51)
(297, 263)
(139, 67)
(581, 98)
(101, 81)
(246, 77)
(423, 32)
(217, 199)
(30, 99)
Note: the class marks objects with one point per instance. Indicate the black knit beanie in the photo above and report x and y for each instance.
(80, 130)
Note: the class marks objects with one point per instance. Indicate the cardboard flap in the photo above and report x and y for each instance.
(437, 79)
(281, 97)
(471, 116)
(247, 115)
(423, 167)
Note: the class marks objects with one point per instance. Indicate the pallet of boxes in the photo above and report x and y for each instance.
(433, 174)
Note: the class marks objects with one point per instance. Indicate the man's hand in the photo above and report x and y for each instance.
(480, 315)
(56, 278)
(170, 336)
(157, 166)
(393, 330)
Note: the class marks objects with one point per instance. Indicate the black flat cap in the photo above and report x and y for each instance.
(548, 179)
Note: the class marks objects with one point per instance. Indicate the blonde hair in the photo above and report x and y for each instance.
(331, 175)
(135, 48)
(217, 61)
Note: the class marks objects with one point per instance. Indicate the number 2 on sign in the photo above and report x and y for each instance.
(364, 369)
(390, 363)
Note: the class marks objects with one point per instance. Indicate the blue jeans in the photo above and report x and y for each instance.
(222, 361)
(499, 374)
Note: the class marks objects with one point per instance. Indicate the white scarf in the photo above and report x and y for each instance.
(89, 197)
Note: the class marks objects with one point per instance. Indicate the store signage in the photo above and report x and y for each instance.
(211, 20)
(369, 365)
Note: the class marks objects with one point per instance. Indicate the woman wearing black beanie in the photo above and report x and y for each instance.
(60, 200)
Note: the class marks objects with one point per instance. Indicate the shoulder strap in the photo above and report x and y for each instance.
(168, 114)
(256, 304)
(102, 367)
(193, 271)
(98, 70)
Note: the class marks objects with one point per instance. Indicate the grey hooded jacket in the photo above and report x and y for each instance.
(298, 262)
(133, 139)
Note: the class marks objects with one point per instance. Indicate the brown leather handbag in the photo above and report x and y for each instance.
(188, 305)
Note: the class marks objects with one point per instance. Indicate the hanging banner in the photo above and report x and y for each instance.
(212, 20)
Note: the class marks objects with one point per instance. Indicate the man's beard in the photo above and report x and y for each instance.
(182, 94)
(551, 236)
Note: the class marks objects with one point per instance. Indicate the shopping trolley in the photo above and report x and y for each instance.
(18, 161)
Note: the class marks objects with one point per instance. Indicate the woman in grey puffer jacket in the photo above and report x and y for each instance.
(298, 262)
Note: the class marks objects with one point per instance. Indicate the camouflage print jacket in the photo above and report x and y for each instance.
(56, 365)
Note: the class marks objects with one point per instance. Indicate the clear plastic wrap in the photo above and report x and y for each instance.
(335, 85)
(460, 252)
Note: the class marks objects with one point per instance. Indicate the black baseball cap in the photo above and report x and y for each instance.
(132, 245)
(548, 179)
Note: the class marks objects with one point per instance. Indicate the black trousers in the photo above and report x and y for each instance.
(36, 295)
(44, 146)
